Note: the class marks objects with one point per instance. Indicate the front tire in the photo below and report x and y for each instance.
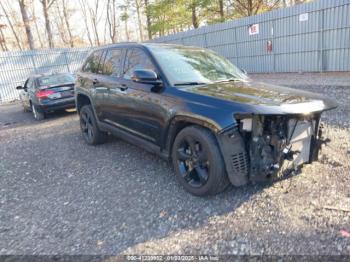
(38, 114)
(88, 125)
(198, 163)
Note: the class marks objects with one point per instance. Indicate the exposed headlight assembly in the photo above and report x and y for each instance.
(245, 122)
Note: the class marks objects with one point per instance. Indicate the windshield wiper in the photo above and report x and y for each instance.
(228, 80)
(190, 84)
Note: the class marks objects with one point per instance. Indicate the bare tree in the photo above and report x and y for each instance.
(2, 38)
(37, 27)
(59, 21)
(112, 20)
(148, 18)
(23, 8)
(7, 16)
(46, 4)
(94, 20)
(66, 19)
(138, 11)
(83, 5)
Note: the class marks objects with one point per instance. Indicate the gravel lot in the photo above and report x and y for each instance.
(61, 196)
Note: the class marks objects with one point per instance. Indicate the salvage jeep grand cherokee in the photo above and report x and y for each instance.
(194, 107)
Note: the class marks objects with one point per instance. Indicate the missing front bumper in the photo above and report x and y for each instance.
(273, 141)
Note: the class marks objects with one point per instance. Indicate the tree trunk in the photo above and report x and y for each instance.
(37, 28)
(250, 7)
(11, 26)
(93, 16)
(148, 18)
(97, 37)
(83, 9)
(221, 10)
(2, 40)
(26, 24)
(66, 19)
(111, 20)
(194, 17)
(126, 29)
(139, 19)
(47, 22)
(59, 21)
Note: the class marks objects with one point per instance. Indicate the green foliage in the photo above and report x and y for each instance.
(172, 16)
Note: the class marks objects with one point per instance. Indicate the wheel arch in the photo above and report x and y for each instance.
(81, 100)
(179, 122)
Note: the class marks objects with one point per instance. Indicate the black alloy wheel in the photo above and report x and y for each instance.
(193, 162)
(86, 126)
(91, 133)
(198, 163)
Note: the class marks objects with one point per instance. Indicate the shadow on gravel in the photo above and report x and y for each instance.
(12, 115)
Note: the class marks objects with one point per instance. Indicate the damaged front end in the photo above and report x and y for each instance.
(262, 145)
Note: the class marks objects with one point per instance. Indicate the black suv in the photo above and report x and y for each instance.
(196, 108)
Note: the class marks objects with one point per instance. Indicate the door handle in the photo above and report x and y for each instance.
(123, 87)
(118, 89)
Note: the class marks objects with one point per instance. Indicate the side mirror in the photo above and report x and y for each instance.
(19, 87)
(145, 76)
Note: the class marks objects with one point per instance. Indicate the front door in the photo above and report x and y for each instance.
(134, 107)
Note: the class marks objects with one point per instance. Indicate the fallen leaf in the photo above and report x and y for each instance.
(99, 242)
(344, 233)
(162, 214)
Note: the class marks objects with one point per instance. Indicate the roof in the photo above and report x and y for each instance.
(127, 44)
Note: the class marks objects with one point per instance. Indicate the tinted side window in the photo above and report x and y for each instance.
(92, 62)
(136, 59)
(113, 62)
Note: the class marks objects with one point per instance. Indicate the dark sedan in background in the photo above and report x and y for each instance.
(46, 93)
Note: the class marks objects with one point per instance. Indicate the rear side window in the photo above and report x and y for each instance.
(113, 62)
(136, 58)
(92, 63)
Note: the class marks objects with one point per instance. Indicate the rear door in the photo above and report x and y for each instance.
(89, 79)
(110, 82)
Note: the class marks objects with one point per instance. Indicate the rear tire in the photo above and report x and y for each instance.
(198, 164)
(88, 125)
(38, 114)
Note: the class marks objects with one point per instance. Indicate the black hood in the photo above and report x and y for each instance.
(262, 95)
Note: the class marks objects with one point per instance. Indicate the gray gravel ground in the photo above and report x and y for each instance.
(61, 196)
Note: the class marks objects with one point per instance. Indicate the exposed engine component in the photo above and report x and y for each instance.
(268, 140)
(276, 139)
(263, 145)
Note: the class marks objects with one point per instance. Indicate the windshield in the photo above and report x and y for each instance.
(56, 79)
(184, 65)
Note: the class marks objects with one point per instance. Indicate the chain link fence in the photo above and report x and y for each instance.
(312, 37)
(16, 67)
